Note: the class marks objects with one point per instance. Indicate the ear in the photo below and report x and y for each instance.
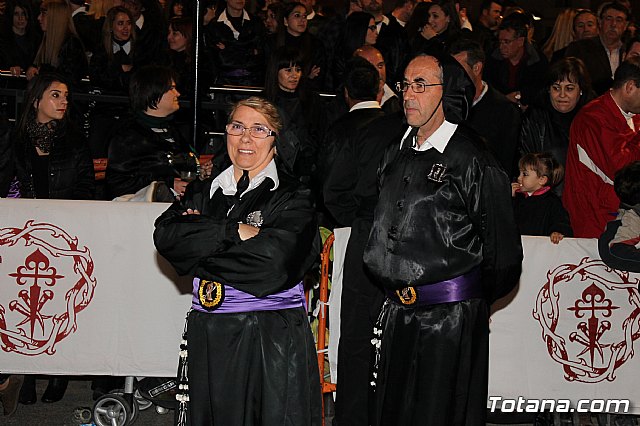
(477, 68)
(543, 180)
(629, 86)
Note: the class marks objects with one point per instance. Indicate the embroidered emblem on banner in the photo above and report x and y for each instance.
(588, 314)
(54, 283)
(210, 294)
(407, 295)
(255, 219)
(437, 172)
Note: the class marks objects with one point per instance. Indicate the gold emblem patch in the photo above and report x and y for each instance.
(407, 295)
(210, 294)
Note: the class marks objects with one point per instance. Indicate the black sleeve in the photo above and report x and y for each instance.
(273, 260)
(339, 185)
(560, 221)
(7, 169)
(502, 245)
(85, 185)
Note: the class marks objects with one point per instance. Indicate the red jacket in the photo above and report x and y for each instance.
(600, 144)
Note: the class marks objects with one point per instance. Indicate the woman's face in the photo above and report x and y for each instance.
(564, 95)
(372, 33)
(42, 19)
(248, 152)
(122, 27)
(19, 20)
(296, 22)
(53, 104)
(177, 9)
(177, 40)
(271, 23)
(289, 78)
(437, 19)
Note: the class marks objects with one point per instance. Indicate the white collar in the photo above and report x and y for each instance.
(81, 9)
(311, 15)
(485, 89)
(126, 47)
(140, 21)
(365, 104)
(223, 18)
(438, 140)
(387, 94)
(384, 21)
(228, 184)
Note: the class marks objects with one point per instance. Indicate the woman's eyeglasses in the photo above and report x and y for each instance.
(260, 132)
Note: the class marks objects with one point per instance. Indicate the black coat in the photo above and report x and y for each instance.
(497, 120)
(208, 245)
(541, 215)
(392, 43)
(596, 60)
(441, 214)
(107, 73)
(72, 61)
(139, 156)
(70, 173)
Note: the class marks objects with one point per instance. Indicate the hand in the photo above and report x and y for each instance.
(315, 71)
(428, 32)
(179, 186)
(247, 231)
(190, 211)
(220, 46)
(515, 97)
(15, 71)
(126, 68)
(205, 170)
(556, 237)
(515, 187)
(31, 72)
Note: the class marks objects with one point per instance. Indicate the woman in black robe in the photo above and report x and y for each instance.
(247, 237)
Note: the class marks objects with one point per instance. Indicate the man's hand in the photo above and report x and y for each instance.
(556, 237)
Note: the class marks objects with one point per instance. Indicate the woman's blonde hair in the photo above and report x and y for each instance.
(99, 8)
(59, 27)
(562, 33)
(262, 106)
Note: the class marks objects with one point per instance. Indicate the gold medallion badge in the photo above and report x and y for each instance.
(407, 295)
(210, 294)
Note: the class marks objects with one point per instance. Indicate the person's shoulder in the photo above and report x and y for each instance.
(467, 146)
(583, 46)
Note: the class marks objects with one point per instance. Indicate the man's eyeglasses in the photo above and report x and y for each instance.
(416, 86)
(260, 132)
(373, 27)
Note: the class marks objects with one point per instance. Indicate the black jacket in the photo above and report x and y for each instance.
(139, 156)
(71, 174)
(541, 215)
(596, 60)
(72, 61)
(208, 245)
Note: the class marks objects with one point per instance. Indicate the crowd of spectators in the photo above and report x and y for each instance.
(573, 96)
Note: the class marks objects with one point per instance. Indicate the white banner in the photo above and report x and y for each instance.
(569, 330)
(83, 291)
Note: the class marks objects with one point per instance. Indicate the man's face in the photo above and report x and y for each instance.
(372, 6)
(631, 99)
(168, 103)
(492, 15)
(634, 50)
(420, 108)
(462, 60)
(511, 46)
(236, 4)
(586, 25)
(612, 25)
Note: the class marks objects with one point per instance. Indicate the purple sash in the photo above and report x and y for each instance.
(463, 287)
(236, 301)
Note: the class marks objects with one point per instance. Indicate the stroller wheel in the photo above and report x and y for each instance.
(143, 403)
(161, 410)
(111, 410)
(135, 409)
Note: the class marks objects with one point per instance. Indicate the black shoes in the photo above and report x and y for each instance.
(28, 391)
(56, 389)
(9, 395)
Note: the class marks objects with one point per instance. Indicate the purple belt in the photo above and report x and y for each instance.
(463, 287)
(217, 298)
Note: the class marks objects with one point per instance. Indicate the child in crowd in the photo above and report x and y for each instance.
(537, 209)
(619, 245)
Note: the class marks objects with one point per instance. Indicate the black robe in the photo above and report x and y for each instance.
(257, 367)
(439, 216)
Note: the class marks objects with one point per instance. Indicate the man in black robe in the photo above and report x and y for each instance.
(444, 245)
